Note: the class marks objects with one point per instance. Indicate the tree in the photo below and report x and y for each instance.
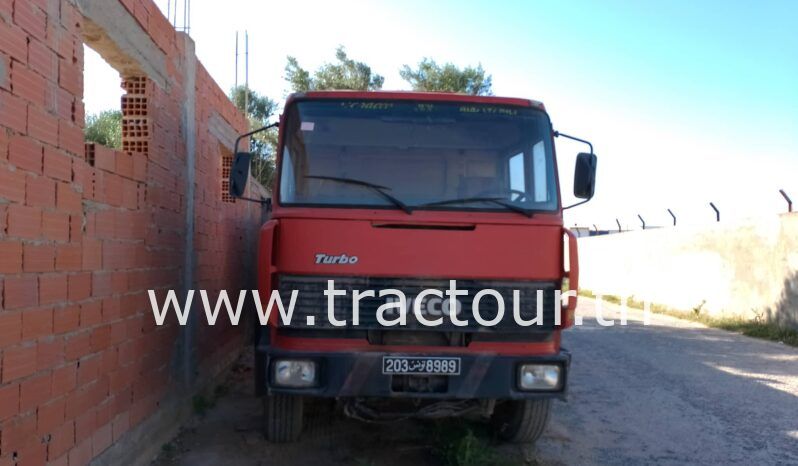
(259, 110)
(346, 73)
(429, 76)
(105, 128)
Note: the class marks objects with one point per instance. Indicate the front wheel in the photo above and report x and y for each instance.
(521, 421)
(282, 418)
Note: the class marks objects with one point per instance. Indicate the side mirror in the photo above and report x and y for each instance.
(584, 175)
(239, 173)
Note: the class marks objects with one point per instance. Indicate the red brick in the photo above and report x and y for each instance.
(43, 60)
(13, 111)
(61, 102)
(92, 254)
(68, 257)
(18, 362)
(124, 164)
(81, 454)
(27, 84)
(113, 190)
(37, 323)
(12, 184)
(3, 144)
(20, 292)
(101, 439)
(70, 76)
(67, 199)
(88, 370)
(130, 194)
(57, 164)
(52, 289)
(34, 452)
(38, 258)
(79, 286)
(139, 166)
(120, 425)
(55, 226)
(19, 434)
(76, 228)
(86, 420)
(34, 392)
(50, 416)
(104, 158)
(65, 379)
(105, 224)
(9, 401)
(10, 327)
(77, 346)
(39, 191)
(30, 18)
(42, 125)
(100, 338)
(24, 222)
(91, 313)
(50, 353)
(61, 441)
(6, 10)
(83, 174)
(25, 153)
(66, 319)
(13, 41)
(11, 254)
(70, 137)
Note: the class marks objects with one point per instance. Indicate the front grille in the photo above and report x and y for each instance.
(311, 301)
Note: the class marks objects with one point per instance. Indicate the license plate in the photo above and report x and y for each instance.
(420, 365)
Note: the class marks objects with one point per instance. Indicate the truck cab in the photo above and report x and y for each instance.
(452, 204)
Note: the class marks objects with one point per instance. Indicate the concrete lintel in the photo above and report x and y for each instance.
(115, 34)
(222, 130)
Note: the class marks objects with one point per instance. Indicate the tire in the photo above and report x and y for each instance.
(521, 421)
(282, 418)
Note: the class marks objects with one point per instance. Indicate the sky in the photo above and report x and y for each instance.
(685, 102)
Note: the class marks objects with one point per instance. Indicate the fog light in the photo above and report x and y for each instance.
(539, 377)
(294, 373)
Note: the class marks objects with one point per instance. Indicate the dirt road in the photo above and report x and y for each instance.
(667, 393)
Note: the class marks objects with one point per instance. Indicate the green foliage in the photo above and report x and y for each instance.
(346, 73)
(259, 110)
(105, 128)
(432, 77)
(459, 443)
(201, 404)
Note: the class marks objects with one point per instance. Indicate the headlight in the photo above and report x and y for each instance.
(539, 377)
(294, 373)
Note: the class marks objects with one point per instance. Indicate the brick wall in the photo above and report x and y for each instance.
(85, 231)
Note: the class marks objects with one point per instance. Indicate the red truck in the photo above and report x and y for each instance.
(406, 192)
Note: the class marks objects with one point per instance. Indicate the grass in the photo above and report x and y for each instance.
(753, 328)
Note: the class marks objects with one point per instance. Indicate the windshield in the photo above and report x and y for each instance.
(417, 155)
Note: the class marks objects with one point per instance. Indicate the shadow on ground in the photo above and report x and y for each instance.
(227, 430)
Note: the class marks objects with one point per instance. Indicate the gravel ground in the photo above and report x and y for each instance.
(671, 392)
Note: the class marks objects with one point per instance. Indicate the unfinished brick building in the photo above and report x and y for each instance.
(85, 373)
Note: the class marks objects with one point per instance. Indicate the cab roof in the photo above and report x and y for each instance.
(414, 95)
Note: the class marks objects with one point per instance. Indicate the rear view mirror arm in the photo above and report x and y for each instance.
(235, 151)
(254, 131)
(590, 145)
(573, 138)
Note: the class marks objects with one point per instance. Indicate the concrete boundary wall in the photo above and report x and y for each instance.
(86, 376)
(748, 270)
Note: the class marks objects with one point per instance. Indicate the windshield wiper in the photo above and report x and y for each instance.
(375, 187)
(494, 200)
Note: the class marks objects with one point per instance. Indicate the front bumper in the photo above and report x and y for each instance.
(345, 374)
